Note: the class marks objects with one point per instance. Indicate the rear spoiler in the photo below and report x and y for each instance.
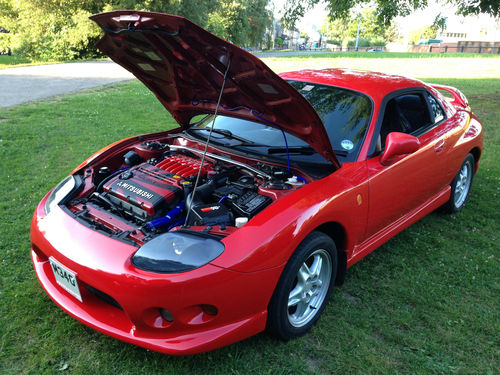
(459, 99)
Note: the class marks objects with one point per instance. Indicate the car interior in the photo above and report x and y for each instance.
(405, 114)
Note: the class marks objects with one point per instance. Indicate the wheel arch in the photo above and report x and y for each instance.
(338, 234)
(476, 152)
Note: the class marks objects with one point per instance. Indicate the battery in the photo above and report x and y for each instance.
(210, 214)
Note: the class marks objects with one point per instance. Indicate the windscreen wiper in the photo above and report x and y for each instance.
(225, 132)
(303, 150)
(340, 152)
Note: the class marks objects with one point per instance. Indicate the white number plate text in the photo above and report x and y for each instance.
(65, 278)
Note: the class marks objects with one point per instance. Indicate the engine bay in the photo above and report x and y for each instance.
(158, 186)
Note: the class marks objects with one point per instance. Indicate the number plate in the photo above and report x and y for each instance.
(65, 278)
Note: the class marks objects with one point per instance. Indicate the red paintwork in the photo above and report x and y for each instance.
(458, 97)
(184, 166)
(141, 293)
(374, 84)
(185, 66)
(361, 205)
(397, 146)
(149, 180)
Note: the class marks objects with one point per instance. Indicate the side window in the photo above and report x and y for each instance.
(414, 110)
(405, 114)
(437, 111)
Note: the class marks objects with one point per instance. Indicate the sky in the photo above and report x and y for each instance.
(416, 20)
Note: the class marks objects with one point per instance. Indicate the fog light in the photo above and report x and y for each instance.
(209, 309)
(167, 315)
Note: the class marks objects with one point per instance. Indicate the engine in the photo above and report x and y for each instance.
(150, 189)
(154, 190)
(144, 192)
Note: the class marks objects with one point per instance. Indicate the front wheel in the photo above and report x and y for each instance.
(460, 186)
(304, 287)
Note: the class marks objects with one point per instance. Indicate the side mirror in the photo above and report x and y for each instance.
(398, 144)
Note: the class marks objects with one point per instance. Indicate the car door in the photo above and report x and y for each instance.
(403, 186)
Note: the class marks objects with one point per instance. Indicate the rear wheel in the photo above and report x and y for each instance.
(304, 287)
(460, 186)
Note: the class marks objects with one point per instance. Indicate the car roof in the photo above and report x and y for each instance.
(374, 84)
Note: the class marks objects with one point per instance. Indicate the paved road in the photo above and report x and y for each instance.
(24, 84)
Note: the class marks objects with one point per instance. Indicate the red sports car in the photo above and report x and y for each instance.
(244, 217)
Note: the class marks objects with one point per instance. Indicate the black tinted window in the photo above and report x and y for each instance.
(437, 111)
(407, 113)
(413, 108)
(346, 115)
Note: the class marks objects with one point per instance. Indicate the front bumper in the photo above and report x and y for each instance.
(128, 300)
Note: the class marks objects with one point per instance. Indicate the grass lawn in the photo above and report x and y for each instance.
(426, 302)
(381, 55)
(11, 61)
(15, 61)
(424, 66)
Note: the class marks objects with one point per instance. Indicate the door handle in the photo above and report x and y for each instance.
(439, 146)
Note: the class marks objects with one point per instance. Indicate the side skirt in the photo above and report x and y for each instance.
(382, 236)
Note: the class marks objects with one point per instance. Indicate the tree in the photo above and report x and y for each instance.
(371, 30)
(50, 29)
(194, 10)
(335, 30)
(386, 10)
(391, 33)
(61, 30)
(426, 32)
(260, 20)
(230, 22)
(305, 36)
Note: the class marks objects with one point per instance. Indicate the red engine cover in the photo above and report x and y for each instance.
(144, 191)
(184, 166)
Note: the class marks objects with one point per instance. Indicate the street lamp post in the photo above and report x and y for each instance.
(357, 33)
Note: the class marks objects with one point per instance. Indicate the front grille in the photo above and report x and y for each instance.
(103, 296)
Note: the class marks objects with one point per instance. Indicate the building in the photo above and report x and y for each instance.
(480, 28)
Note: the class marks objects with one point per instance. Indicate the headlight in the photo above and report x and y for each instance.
(62, 192)
(175, 252)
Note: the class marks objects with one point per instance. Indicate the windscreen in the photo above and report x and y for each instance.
(346, 115)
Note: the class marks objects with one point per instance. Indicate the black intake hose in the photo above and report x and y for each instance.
(203, 192)
(101, 184)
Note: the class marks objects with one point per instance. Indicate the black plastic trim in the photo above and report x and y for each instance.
(417, 90)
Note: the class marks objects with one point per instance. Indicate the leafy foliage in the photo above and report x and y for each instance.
(229, 21)
(61, 30)
(386, 10)
(49, 28)
(426, 32)
(372, 33)
(260, 20)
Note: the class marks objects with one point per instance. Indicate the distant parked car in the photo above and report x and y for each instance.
(376, 50)
(245, 216)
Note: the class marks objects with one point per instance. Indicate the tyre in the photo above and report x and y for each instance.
(303, 288)
(460, 186)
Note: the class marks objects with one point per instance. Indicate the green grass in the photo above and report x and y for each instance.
(11, 61)
(426, 302)
(386, 55)
(15, 61)
(450, 67)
